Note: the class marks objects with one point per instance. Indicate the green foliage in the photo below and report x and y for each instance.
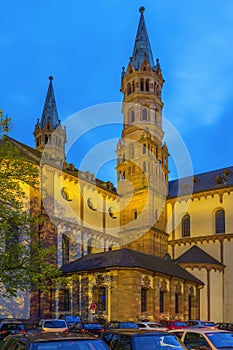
(24, 258)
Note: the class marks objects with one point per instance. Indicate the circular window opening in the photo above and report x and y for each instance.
(112, 213)
(91, 204)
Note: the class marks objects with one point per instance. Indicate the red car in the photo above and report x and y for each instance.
(174, 324)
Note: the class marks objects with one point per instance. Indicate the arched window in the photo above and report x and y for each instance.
(142, 84)
(144, 149)
(132, 116)
(12, 237)
(128, 89)
(186, 226)
(144, 114)
(64, 299)
(100, 298)
(143, 299)
(90, 245)
(220, 221)
(65, 249)
(147, 85)
(133, 86)
(161, 301)
(144, 167)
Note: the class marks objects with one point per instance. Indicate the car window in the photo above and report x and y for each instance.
(178, 334)
(154, 342)
(128, 325)
(180, 324)
(123, 343)
(195, 340)
(71, 345)
(54, 324)
(221, 339)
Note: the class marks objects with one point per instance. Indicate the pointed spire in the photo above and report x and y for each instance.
(50, 113)
(142, 47)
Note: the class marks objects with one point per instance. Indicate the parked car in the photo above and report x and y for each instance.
(120, 324)
(71, 320)
(197, 338)
(9, 326)
(225, 325)
(200, 324)
(174, 324)
(88, 327)
(152, 326)
(63, 341)
(53, 325)
(137, 339)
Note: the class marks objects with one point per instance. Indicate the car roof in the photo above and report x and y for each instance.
(41, 336)
(199, 330)
(130, 331)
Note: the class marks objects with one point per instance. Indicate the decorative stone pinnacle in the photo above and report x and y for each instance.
(142, 9)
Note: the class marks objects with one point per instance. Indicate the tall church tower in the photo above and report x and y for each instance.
(49, 135)
(142, 158)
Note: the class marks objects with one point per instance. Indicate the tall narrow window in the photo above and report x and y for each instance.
(143, 299)
(90, 246)
(132, 116)
(144, 114)
(144, 167)
(161, 301)
(135, 214)
(142, 85)
(220, 221)
(147, 84)
(100, 298)
(65, 249)
(128, 89)
(12, 238)
(186, 226)
(176, 303)
(64, 299)
(144, 149)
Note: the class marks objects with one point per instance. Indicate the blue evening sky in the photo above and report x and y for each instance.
(84, 44)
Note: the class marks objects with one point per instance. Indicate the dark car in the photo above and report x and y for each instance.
(225, 326)
(71, 320)
(88, 327)
(9, 326)
(138, 339)
(40, 341)
(120, 324)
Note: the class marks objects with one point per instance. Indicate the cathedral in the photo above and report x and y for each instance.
(147, 249)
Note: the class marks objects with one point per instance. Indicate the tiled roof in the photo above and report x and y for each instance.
(210, 180)
(128, 258)
(142, 46)
(197, 255)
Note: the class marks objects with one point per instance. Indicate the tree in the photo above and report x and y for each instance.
(24, 258)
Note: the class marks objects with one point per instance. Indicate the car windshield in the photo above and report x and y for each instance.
(11, 326)
(155, 342)
(55, 324)
(73, 319)
(208, 324)
(92, 326)
(155, 325)
(128, 325)
(71, 345)
(221, 339)
(180, 324)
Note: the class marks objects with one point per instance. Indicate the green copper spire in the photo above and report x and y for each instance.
(142, 47)
(50, 113)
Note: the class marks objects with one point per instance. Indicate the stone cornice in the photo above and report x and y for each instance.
(201, 239)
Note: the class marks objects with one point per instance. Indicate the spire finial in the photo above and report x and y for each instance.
(142, 9)
(50, 77)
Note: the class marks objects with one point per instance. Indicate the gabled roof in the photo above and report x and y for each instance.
(128, 258)
(197, 255)
(50, 113)
(25, 150)
(210, 180)
(142, 48)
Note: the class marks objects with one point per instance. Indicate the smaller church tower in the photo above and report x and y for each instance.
(49, 135)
